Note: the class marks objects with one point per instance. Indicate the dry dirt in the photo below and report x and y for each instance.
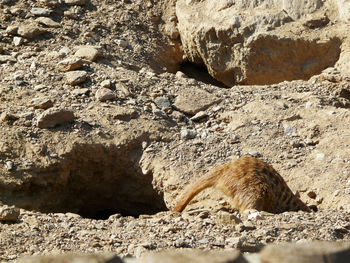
(106, 180)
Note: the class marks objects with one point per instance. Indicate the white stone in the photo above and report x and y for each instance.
(320, 156)
(9, 165)
(255, 215)
(308, 104)
(121, 43)
(106, 83)
(17, 41)
(188, 134)
(40, 11)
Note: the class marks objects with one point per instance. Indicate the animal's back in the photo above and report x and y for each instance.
(251, 184)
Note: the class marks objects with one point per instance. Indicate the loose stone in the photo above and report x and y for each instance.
(199, 115)
(187, 134)
(106, 83)
(54, 116)
(254, 153)
(320, 156)
(9, 165)
(89, 53)
(226, 218)
(104, 94)
(47, 22)
(41, 103)
(80, 92)
(6, 58)
(71, 63)
(162, 102)
(159, 113)
(17, 41)
(40, 11)
(9, 213)
(30, 31)
(121, 43)
(75, 77)
(52, 3)
(12, 30)
(75, 2)
(311, 194)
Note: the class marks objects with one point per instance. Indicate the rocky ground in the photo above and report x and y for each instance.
(43, 234)
(100, 132)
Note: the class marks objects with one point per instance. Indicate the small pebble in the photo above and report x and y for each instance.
(106, 84)
(9, 165)
(187, 134)
(9, 213)
(255, 215)
(104, 94)
(320, 156)
(311, 194)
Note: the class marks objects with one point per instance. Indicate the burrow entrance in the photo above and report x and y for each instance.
(200, 73)
(94, 181)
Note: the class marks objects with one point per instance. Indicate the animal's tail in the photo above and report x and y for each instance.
(207, 180)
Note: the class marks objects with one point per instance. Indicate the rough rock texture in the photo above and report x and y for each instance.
(273, 59)
(242, 45)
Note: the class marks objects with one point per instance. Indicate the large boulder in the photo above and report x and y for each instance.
(239, 42)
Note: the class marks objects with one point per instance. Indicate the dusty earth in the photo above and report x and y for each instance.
(95, 159)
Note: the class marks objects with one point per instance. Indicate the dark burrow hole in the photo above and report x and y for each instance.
(94, 181)
(200, 73)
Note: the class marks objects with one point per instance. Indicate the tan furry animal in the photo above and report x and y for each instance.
(250, 183)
